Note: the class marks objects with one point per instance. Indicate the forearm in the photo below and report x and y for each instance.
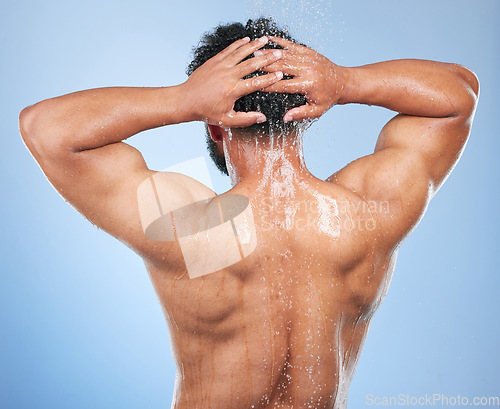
(98, 117)
(412, 87)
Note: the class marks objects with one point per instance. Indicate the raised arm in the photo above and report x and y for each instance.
(416, 150)
(76, 138)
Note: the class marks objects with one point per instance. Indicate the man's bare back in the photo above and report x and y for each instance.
(284, 325)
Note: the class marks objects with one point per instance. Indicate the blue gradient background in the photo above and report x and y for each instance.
(80, 324)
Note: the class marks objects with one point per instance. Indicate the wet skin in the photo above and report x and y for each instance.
(284, 326)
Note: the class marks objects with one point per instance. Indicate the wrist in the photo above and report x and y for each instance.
(173, 103)
(186, 104)
(346, 84)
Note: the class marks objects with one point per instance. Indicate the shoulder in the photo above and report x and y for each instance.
(386, 193)
(160, 195)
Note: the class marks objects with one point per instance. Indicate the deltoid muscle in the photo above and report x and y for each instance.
(213, 231)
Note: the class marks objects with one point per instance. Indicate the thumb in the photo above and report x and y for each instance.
(243, 119)
(303, 112)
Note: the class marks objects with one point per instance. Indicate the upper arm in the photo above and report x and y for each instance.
(100, 183)
(413, 157)
(103, 185)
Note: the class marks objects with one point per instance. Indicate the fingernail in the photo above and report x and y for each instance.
(261, 119)
(257, 53)
(263, 39)
(246, 38)
(287, 118)
(277, 53)
(279, 74)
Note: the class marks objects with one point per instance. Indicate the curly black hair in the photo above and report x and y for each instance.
(273, 105)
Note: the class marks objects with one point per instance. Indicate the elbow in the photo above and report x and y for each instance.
(471, 80)
(27, 122)
(470, 85)
(34, 122)
(29, 128)
(34, 127)
(38, 131)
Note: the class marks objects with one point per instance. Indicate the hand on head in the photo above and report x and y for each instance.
(314, 76)
(213, 88)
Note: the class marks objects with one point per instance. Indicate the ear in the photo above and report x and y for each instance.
(215, 132)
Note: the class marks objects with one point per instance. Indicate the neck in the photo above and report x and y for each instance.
(264, 160)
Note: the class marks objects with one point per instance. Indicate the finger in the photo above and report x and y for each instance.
(289, 59)
(243, 119)
(232, 47)
(259, 62)
(287, 44)
(245, 50)
(257, 83)
(284, 66)
(288, 55)
(293, 86)
(303, 112)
